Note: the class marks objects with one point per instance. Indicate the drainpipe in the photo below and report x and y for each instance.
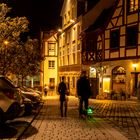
(86, 6)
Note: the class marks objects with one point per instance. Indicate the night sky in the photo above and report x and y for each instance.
(42, 14)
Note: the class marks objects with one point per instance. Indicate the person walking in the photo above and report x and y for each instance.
(62, 89)
(45, 90)
(84, 92)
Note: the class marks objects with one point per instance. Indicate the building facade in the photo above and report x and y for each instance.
(103, 38)
(117, 49)
(70, 45)
(49, 66)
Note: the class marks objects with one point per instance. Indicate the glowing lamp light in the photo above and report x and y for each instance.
(59, 30)
(134, 66)
(6, 42)
(72, 21)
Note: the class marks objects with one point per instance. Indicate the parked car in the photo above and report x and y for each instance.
(32, 90)
(11, 102)
(28, 105)
(33, 96)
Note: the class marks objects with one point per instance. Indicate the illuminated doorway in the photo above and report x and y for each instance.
(106, 84)
(118, 79)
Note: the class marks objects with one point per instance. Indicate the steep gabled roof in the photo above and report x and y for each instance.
(91, 16)
(101, 20)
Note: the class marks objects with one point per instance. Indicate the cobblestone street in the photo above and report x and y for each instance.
(123, 114)
(116, 120)
(112, 120)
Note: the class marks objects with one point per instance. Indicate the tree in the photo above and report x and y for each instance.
(28, 58)
(10, 30)
(19, 57)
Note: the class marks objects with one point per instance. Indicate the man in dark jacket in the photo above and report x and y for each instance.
(62, 89)
(83, 91)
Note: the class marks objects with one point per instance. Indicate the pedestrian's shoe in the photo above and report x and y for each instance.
(83, 116)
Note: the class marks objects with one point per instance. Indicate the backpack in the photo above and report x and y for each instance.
(62, 88)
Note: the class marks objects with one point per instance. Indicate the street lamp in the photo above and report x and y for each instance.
(136, 73)
(5, 42)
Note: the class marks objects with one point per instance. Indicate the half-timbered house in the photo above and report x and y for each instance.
(113, 41)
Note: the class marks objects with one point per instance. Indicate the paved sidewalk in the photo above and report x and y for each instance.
(124, 115)
(48, 125)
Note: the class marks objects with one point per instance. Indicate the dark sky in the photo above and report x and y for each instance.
(40, 13)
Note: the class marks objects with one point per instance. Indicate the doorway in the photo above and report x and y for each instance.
(94, 83)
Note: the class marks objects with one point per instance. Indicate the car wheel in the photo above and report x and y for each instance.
(13, 111)
(28, 109)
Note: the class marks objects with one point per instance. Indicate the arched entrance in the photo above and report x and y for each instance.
(118, 79)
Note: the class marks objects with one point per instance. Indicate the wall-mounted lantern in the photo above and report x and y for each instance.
(135, 67)
(72, 21)
(59, 30)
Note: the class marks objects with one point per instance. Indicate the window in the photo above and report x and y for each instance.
(78, 30)
(115, 39)
(132, 5)
(52, 83)
(68, 81)
(65, 19)
(68, 37)
(132, 35)
(73, 35)
(73, 12)
(52, 64)
(73, 58)
(69, 16)
(51, 48)
(73, 82)
(78, 58)
(78, 47)
(68, 59)
(119, 74)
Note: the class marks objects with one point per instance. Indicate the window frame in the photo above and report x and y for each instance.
(132, 6)
(131, 36)
(51, 64)
(51, 48)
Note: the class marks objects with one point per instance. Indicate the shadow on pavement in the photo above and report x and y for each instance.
(15, 129)
(31, 131)
(7, 131)
(21, 126)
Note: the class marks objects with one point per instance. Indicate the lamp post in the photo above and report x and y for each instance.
(135, 77)
(5, 45)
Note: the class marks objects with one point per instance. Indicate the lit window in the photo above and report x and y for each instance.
(132, 5)
(73, 58)
(73, 82)
(68, 59)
